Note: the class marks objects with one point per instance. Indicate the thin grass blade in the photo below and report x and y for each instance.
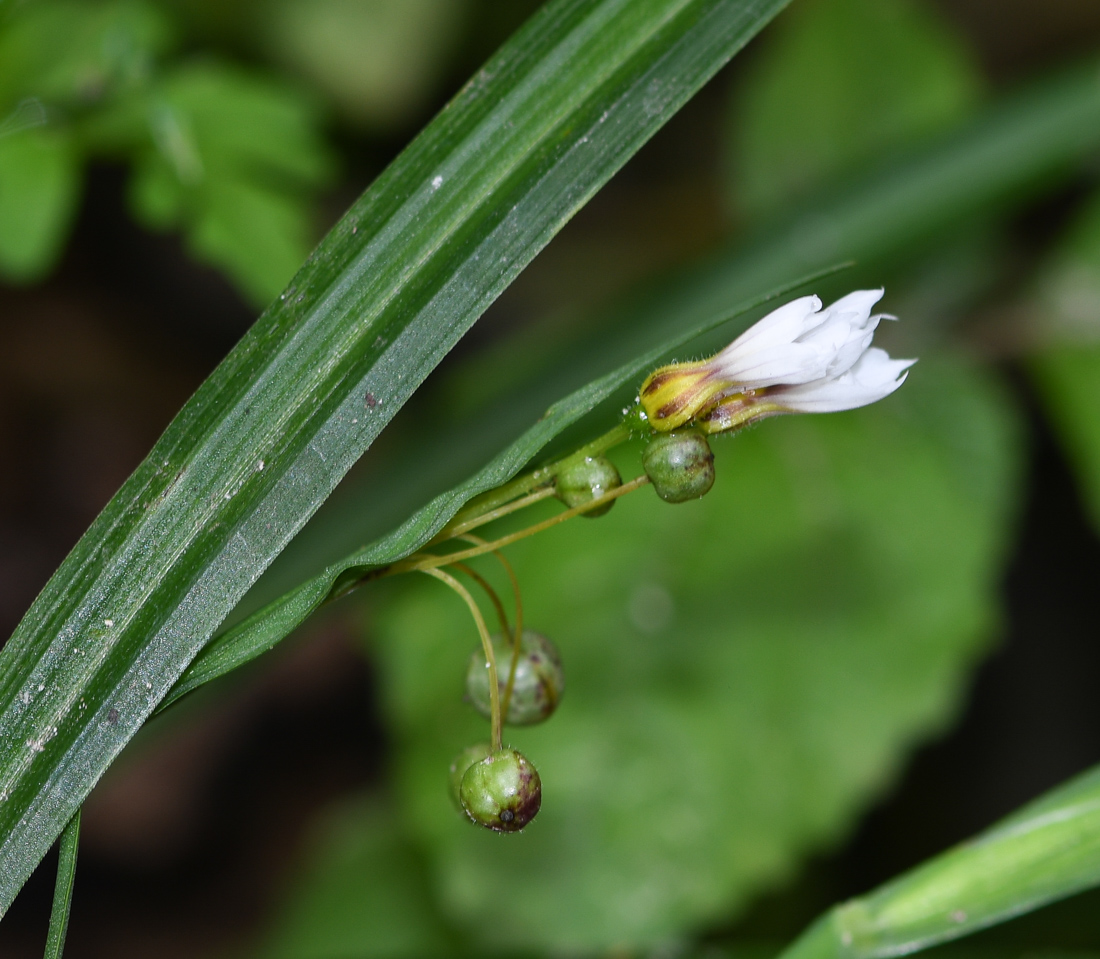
(63, 888)
(1047, 851)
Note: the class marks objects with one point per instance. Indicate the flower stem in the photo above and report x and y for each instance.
(456, 530)
(502, 616)
(517, 636)
(486, 645)
(425, 562)
(487, 503)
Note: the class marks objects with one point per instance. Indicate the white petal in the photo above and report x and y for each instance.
(790, 363)
(858, 301)
(854, 347)
(856, 308)
(769, 353)
(873, 377)
(779, 327)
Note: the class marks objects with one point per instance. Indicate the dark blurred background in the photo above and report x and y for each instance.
(189, 841)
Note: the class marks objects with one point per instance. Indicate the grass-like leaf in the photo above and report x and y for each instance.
(1048, 850)
(63, 888)
(266, 438)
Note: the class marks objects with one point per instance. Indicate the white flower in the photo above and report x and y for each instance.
(799, 358)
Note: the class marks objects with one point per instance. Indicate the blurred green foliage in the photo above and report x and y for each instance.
(39, 185)
(232, 157)
(376, 59)
(1067, 372)
(366, 892)
(843, 83)
(378, 63)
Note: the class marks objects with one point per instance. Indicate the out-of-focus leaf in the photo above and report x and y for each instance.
(841, 83)
(39, 184)
(376, 58)
(233, 158)
(73, 52)
(363, 894)
(1067, 372)
(743, 671)
(270, 433)
(1046, 851)
(1068, 290)
(257, 236)
(1068, 384)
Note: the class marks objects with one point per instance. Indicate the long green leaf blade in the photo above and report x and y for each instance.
(262, 443)
(63, 888)
(1048, 850)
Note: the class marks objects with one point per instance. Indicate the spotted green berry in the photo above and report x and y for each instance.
(680, 465)
(463, 761)
(583, 480)
(539, 682)
(502, 792)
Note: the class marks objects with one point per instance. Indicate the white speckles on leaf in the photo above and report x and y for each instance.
(37, 743)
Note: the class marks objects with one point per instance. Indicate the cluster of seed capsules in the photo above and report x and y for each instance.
(501, 789)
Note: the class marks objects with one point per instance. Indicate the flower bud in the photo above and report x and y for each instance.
(502, 792)
(539, 681)
(463, 761)
(680, 465)
(582, 481)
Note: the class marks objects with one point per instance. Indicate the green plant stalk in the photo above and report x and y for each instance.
(63, 888)
(431, 561)
(524, 485)
(1048, 850)
(496, 723)
(267, 437)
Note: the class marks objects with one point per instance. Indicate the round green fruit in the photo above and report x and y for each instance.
(539, 683)
(680, 465)
(463, 761)
(502, 792)
(586, 479)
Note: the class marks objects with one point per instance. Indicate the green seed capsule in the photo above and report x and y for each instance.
(581, 482)
(539, 683)
(502, 792)
(463, 761)
(680, 465)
